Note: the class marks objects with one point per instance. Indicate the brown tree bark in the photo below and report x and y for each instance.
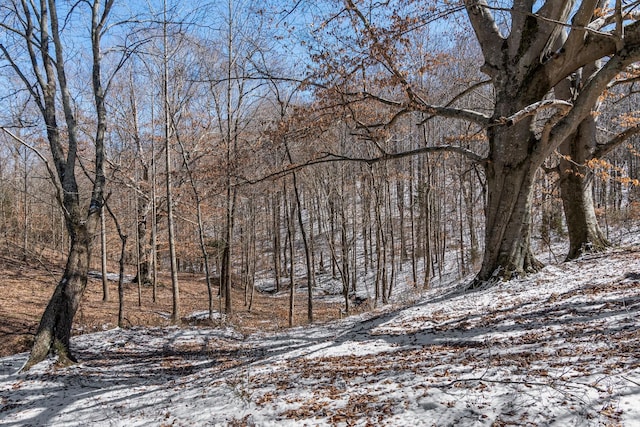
(276, 238)
(524, 68)
(175, 286)
(103, 257)
(54, 330)
(576, 190)
(576, 178)
(121, 262)
(290, 208)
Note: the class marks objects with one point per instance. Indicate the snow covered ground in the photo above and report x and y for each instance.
(561, 347)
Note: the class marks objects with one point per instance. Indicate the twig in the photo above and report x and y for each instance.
(480, 379)
(631, 381)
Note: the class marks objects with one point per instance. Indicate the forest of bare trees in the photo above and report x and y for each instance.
(287, 141)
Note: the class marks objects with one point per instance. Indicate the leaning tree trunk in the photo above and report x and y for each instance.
(54, 331)
(576, 190)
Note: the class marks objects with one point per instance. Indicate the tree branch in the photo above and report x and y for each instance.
(334, 158)
(483, 119)
(589, 95)
(51, 172)
(580, 24)
(486, 29)
(433, 110)
(605, 148)
(541, 37)
(563, 106)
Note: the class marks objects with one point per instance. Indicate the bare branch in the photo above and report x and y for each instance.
(483, 119)
(581, 21)
(630, 76)
(51, 172)
(605, 148)
(432, 110)
(589, 95)
(563, 106)
(548, 29)
(486, 29)
(550, 123)
(335, 158)
(619, 31)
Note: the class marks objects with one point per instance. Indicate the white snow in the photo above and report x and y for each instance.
(560, 348)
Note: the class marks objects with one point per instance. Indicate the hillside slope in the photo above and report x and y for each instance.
(561, 347)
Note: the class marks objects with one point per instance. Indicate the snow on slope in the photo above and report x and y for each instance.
(561, 348)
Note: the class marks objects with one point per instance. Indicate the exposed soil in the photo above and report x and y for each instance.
(26, 286)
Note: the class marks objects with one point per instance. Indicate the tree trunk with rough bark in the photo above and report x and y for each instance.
(524, 65)
(103, 258)
(514, 157)
(576, 190)
(54, 331)
(507, 251)
(576, 178)
(43, 43)
(515, 152)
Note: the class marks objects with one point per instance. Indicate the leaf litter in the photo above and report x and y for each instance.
(560, 347)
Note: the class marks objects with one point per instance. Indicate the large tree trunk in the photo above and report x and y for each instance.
(510, 175)
(524, 65)
(576, 178)
(576, 190)
(54, 331)
(507, 251)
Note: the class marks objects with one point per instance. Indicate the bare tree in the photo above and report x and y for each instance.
(283, 103)
(175, 314)
(35, 27)
(103, 257)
